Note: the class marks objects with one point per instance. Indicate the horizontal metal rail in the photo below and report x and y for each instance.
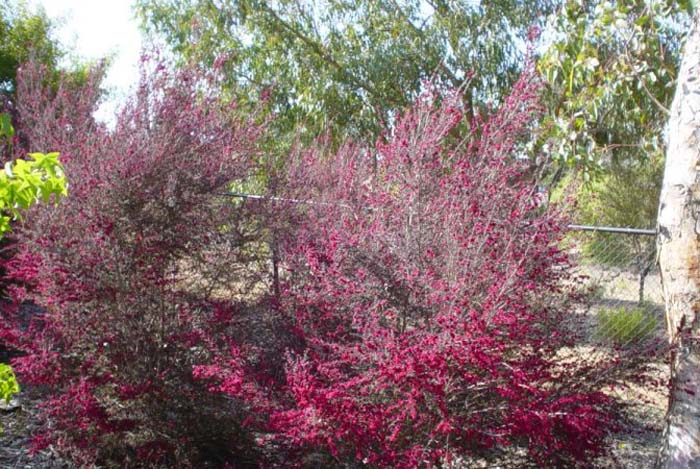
(599, 229)
(613, 229)
(239, 195)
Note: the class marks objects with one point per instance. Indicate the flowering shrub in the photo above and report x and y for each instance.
(124, 324)
(417, 318)
(424, 284)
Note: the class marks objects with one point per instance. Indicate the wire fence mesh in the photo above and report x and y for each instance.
(623, 312)
(620, 271)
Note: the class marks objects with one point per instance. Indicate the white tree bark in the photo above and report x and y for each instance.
(679, 260)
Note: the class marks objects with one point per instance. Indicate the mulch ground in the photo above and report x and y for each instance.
(18, 426)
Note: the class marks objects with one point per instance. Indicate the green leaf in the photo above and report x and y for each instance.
(8, 383)
(6, 129)
(24, 182)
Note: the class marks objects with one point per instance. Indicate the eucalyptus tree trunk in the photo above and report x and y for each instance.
(679, 260)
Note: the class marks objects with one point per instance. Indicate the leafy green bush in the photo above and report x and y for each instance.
(627, 326)
(8, 383)
(24, 182)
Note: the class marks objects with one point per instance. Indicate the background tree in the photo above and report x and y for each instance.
(350, 66)
(609, 67)
(24, 34)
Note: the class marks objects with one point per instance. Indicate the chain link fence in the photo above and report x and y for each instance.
(618, 266)
(624, 320)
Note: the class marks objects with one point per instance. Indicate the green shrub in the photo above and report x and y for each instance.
(8, 383)
(626, 326)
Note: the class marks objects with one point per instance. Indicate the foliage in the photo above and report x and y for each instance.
(627, 197)
(24, 35)
(26, 181)
(627, 326)
(609, 69)
(8, 383)
(425, 302)
(352, 67)
(347, 68)
(27, 34)
(123, 321)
